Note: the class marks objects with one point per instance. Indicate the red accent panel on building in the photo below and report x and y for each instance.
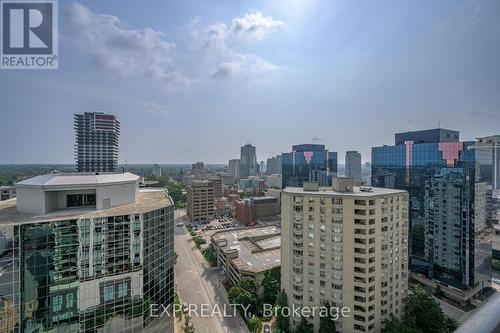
(408, 161)
(451, 151)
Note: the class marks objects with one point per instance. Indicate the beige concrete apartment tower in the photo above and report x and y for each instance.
(200, 201)
(347, 246)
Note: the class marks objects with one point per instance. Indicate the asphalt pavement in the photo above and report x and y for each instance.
(198, 284)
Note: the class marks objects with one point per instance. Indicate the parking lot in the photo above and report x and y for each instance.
(217, 224)
(221, 224)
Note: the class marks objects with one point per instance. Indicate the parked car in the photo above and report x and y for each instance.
(267, 329)
(185, 308)
(180, 224)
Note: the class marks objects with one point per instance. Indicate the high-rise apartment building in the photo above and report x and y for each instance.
(200, 201)
(489, 148)
(347, 246)
(96, 147)
(248, 161)
(353, 165)
(234, 168)
(262, 167)
(440, 173)
(157, 170)
(198, 170)
(217, 183)
(308, 162)
(86, 253)
(273, 165)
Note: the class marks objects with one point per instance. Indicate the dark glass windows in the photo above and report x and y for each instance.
(80, 199)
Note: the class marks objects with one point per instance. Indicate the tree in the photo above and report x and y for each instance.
(271, 285)
(304, 327)
(282, 322)
(425, 309)
(174, 259)
(395, 325)
(254, 324)
(327, 323)
(451, 324)
(5, 180)
(188, 325)
(248, 285)
(423, 314)
(211, 255)
(244, 293)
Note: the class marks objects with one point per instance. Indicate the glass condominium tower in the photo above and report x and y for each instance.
(308, 162)
(248, 161)
(86, 253)
(441, 176)
(96, 146)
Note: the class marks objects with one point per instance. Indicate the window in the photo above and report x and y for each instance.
(122, 290)
(80, 200)
(57, 303)
(89, 199)
(108, 292)
(69, 300)
(74, 200)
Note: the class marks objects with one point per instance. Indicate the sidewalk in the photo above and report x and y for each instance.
(220, 291)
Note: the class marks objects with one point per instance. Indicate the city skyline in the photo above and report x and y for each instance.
(291, 166)
(190, 69)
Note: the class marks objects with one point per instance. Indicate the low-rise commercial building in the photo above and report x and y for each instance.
(247, 253)
(252, 185)
(248, 211)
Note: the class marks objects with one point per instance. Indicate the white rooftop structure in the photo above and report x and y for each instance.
(73, 179)
(47, 193)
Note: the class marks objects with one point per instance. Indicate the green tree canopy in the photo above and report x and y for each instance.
(423, 314)
(271, 285)
(244, 293)
(304, 327)
(327, 323)
(282, 322)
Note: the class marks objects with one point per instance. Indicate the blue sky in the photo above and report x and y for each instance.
(194, 80)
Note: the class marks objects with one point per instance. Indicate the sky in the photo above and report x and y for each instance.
(194, 80)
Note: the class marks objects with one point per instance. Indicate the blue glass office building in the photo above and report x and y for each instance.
(308, 162)
(440, 174)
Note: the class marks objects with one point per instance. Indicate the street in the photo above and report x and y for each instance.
(199, 284)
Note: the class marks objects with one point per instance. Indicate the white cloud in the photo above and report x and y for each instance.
(126, 52)
(214, 41)
(248, 64)
(154, 108)
(254, 26)
(316, 138)
(225, 69)
(146, 53)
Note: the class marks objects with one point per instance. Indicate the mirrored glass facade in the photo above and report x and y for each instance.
(308, 162)
(447, 241)
(99, 274)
